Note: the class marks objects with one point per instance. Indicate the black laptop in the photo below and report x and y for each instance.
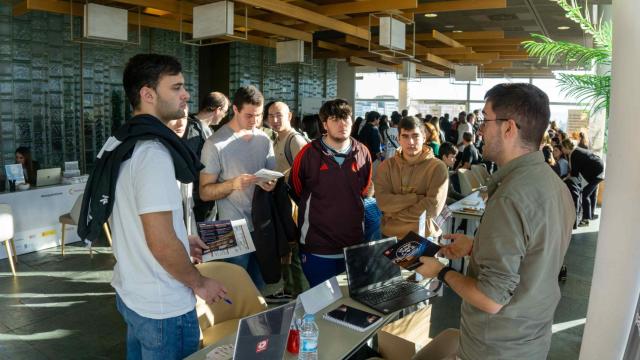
(377, 282)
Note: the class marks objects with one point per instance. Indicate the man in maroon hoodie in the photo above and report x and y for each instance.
(329, 178)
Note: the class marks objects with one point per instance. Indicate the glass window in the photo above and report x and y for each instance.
(436, 89)
(377, 86)
(385, 107)
(477, 92)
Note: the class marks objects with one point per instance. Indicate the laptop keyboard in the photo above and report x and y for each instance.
(387, 293)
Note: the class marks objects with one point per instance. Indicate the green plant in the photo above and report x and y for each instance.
(594, 89)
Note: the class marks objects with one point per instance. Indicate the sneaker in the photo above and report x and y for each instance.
(278, 298)
(595, 217)
(563, 273)
(583, 223)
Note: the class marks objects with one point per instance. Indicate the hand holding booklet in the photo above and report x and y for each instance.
(267, 175)
(407, 251)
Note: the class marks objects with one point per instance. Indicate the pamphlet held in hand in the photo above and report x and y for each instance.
(268, 175)
(407, 251)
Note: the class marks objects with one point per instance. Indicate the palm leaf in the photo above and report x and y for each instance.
(592, 89)
(573, 11)
(565, 52)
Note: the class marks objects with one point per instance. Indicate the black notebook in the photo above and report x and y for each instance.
(407, 251)
(352, 318)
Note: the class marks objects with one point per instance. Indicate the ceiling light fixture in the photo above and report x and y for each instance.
(430, 15)
(563, 28)
(457, 31)
(449, 26)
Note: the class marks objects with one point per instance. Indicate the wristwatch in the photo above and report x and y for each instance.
(443, 272)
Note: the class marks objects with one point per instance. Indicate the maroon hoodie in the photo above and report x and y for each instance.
(331, 210)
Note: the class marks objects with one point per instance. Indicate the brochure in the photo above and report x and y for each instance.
(406, 252)
(225, 238)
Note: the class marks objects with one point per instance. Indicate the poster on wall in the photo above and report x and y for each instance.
(577, 120)
(311, 105)
(632, 352)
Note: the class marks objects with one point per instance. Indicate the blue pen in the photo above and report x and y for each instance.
(228, 301)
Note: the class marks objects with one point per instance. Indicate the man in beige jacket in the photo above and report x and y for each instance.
(411, 187)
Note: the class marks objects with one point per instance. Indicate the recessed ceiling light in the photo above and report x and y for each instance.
(457, 31)
(430, 15)
(563, 28)
(449, 26)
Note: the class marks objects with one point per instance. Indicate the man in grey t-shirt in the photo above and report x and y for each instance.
(231, 156)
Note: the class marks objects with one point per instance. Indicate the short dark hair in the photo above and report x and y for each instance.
(213, 100)
(146, 70)
(409, 123)
(372, 116)
(470, 116)
(527, 105)
(248, 94)
(467, 136)
(338, 108)
(447, 149)
(395, 118)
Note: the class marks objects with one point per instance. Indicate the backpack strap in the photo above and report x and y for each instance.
(287, 146)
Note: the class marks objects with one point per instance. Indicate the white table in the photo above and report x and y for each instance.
(335, 341)
(35, 216)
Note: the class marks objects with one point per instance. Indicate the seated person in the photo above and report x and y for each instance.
(470, 154)
(448, 154)
(29, 166)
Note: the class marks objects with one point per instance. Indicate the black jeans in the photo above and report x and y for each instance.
(589, 199)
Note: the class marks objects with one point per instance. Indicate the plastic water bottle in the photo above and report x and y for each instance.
(309, 339)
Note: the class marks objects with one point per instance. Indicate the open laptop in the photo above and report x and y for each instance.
(377, 282)
(46, 177)
(260, 336)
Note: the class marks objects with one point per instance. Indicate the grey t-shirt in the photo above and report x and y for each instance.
(226, 155)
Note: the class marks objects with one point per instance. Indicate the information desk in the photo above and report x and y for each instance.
(35, 216)
(335, 341)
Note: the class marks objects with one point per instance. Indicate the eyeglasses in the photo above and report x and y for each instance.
(501, 119)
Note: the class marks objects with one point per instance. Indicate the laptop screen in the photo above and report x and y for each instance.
(367, 265)
(264, 335)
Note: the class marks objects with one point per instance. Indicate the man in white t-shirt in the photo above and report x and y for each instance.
(154, 278)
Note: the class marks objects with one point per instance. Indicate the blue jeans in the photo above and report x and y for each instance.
(151, 339)
(318, 269)
(250, 263)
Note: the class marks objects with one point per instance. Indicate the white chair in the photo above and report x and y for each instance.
(468, 181)
(482, 173)
(6, 235)
(72, 218)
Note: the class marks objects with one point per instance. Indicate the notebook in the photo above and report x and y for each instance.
(407, 252)
(352, 318)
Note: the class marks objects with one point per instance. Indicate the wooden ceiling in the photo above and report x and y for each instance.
(462, 32)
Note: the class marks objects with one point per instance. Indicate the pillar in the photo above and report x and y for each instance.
(616, 279)
(347, 83)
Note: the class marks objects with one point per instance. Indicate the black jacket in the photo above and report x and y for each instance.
(589, 165)
(273, 229)
(194, 137)
(99, 194)
(370, 137)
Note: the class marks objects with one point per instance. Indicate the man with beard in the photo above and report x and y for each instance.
(154, 278)
(329, 178)
(511, 291)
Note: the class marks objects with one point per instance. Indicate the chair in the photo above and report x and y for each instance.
(468, 181)
(481, 171)
(6, 235)
(72, 217)
(220, 319)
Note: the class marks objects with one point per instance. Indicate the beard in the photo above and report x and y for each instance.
(168, 111)
(490, 150)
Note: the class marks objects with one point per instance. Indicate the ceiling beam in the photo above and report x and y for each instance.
(438, 60)
(498, 65)
(450, 51)
(492, 42)
(476, 56)
(364, 62)
(438, 36)
(498, 48)
(429, 70)
(368, 6)
(267, 27)
(469, 35)
(309, 16)
(460, 5)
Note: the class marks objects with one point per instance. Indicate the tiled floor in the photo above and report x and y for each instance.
(63, 307)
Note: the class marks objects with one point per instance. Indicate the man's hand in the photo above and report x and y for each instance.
(243, 181)
(210, 290)
(196, 245)
(430, 267)
(460, 247)
(267, 185)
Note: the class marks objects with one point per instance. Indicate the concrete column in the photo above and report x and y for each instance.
(598, 121)
(616, 279)
(347, 83)
(403, 95)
